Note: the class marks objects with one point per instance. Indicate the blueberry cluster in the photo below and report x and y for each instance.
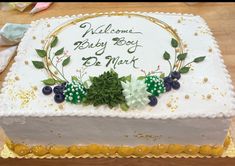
(171, 81)
(58, 91)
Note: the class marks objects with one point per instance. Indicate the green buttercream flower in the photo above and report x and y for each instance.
(105, 89)
(155, 85)
(75, 92)
(136, 94)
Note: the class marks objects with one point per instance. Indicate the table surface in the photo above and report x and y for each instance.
(220, 18)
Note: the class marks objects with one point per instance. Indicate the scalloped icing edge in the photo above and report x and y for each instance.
(228, 114)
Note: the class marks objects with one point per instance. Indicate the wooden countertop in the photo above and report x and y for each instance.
(221, 20)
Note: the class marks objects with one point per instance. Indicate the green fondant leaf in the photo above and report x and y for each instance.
(182, 56)
(166, 55)
(49, 81)
(74, 78)
(91, 78)
(184, 70)
(38, 64)
(124, 107)
(174, 43)
(125, 78)
(54, 42)
(41, 53)
(162, 75)
(86, 84)
(66, 61)
(141, 78)
(199, 59)
(59, 52)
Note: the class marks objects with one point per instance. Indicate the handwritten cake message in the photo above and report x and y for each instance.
(100, 45)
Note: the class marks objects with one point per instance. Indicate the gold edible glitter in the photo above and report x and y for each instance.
(34, 37)
(185, 45)
(48, 25)
(42, 41)
(210, 50)
(25, 96)
(195, 34)
(186, 96)
(26, 62)
(179, 21)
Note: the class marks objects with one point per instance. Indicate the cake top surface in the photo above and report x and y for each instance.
(139, 47)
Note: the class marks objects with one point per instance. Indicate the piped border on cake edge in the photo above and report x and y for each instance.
(229, 114)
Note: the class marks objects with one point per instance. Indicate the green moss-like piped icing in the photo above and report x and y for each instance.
(155, 85)
(75, 92)
(135, 93)
(105, 89)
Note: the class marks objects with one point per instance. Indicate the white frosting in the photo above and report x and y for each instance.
(154, 41)
(114, 131)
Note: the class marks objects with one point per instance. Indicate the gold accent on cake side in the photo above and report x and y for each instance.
(95, 150)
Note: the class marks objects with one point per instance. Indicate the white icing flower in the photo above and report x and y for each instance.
(135, 93)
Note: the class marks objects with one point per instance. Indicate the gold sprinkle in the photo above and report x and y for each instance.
(205, 80)
(168, 104)
(210, 50)
(179, 21)
(195, 34)
(34, 37)
(17, 78)
(186, 96)
(35, 88)
(42, 41)
(56, 72)
(48, 25)
(61, 106)
(26, 62)
(208, 96)
(185, 45)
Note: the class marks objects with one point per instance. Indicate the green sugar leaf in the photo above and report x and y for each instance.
(141, 78)
(41, 53)
(199, 59)
(91, 78)
(125, 78)
(59, 52)
(66, 61)
(184, 70)
(38, 64)
(49, 81)
(182, 56)
(74, 78)
(162, 75)
(174, 43)
(54, 42)
(166, 55)
(124, 106)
